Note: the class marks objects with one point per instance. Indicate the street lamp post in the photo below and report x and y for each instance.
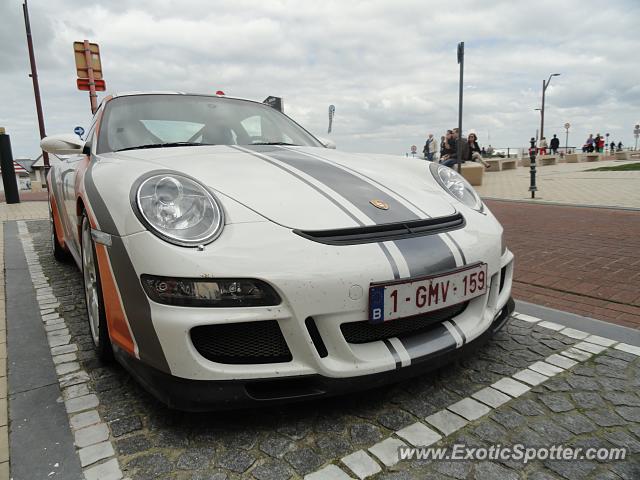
(566, 138)
(545, 85)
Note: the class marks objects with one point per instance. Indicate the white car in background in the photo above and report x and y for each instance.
(230, 258)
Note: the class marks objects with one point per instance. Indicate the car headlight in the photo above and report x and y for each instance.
(178, 209)
(456, 185)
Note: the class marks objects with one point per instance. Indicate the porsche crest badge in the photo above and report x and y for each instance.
(379, 204)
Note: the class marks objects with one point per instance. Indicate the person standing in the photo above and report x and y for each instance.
(430, 148)
(555, 144)
(589, 143)
(542, 148)
(612, 147)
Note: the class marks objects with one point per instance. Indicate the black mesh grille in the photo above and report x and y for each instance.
(242, 343)
(364, 332)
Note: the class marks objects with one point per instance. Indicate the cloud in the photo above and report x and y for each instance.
(389, 68)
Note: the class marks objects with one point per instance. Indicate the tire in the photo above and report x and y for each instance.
(59, 253)
(93, 294)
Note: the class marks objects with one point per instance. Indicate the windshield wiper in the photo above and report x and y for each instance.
(168, 144)
(275, 143)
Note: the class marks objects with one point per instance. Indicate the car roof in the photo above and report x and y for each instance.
(168, 92)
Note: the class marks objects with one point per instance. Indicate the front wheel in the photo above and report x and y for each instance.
(93, 295)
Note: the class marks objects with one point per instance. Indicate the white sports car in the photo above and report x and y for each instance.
(229, 257)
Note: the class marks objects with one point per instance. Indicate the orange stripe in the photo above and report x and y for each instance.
(56, 220)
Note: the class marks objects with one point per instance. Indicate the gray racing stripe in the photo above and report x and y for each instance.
(135, 301)
(424, 255)
(394, 352)
(459, 330)
(434, 341)
(399, 195)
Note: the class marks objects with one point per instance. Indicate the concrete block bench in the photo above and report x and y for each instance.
(508, 163)
(592, 157)
(573, 157)
(546, 160)
(495, 164)
(525, 162)
(623, 156)
(473, 172)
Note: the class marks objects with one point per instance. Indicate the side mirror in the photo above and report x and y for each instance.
(328, 143)
(62, 144)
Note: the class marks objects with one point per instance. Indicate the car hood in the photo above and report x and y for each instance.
(309, 188)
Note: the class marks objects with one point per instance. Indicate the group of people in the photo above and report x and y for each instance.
(470, 151)
(598, 144)
(554, 145)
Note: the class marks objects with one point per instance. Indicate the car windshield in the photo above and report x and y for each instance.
(148, 121)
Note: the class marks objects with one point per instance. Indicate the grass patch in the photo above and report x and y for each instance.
(627, 167)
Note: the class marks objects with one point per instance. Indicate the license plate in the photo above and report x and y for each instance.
(415, 296)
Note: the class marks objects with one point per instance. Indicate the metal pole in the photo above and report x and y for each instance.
(92, 82)
(9, 180)
(544, 87)
(566, 143)
(458, 143)
(36, 86)
(532, 169)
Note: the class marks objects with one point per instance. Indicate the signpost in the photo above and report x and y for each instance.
(636, 133)
(414, 150)
(332, 112)
(79, 131)
(89, 70)
(566, 138)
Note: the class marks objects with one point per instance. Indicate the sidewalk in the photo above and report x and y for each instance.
(580, 260)
(567, 183)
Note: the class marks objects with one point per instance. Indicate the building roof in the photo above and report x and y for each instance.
(19, 169)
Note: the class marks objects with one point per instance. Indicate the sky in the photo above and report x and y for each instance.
(389, 67)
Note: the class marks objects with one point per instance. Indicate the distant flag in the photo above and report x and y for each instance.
(332, 112)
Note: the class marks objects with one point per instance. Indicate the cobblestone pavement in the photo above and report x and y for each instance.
(595, 402)
(576, 259)
(23, 211)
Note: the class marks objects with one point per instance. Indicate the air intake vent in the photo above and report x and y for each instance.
(365, 332)
(242, 343)
(384, 232)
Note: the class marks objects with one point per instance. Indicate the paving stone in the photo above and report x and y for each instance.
(528, 318)
(445, 421)
(511, 387)
(236, 460)
(134, 444)
(530, 377)
(86, 436)
(469, 409)
(545, 368)
(79, 404)
(330, 472)
(276, 446)
(622, 398)
(490, 432)
(560, 361)
(492, 397)
(507, 418)
(573, 333)
(576, 354)
(556, 402)
(613, 384)
(361, 464)
(576, 423)
(365, 433)
(605, 342)
(628, 348)
(605, 418)
(527, 407)
(66, 368)
(91, 454)
(627, 470)
(550, 431)
(195, 459)
(395, 419)
(303, 460)
(574, 470)
(64, 349)
(105, 471)
(84, 419)
(590, 347)
(154, 465)
(59, 340)
(272, 470)
(418, 434)
(550, 325)
(332, 445)
(623, 439)
(67, 357)
(387, 451)
(125, 425)
(583, 383)
(75, 391)
(54, 326)
(458, 470)
(588, 400)
(631, 414)
(493, 471)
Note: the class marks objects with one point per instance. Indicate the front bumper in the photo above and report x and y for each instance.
(205, 395)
